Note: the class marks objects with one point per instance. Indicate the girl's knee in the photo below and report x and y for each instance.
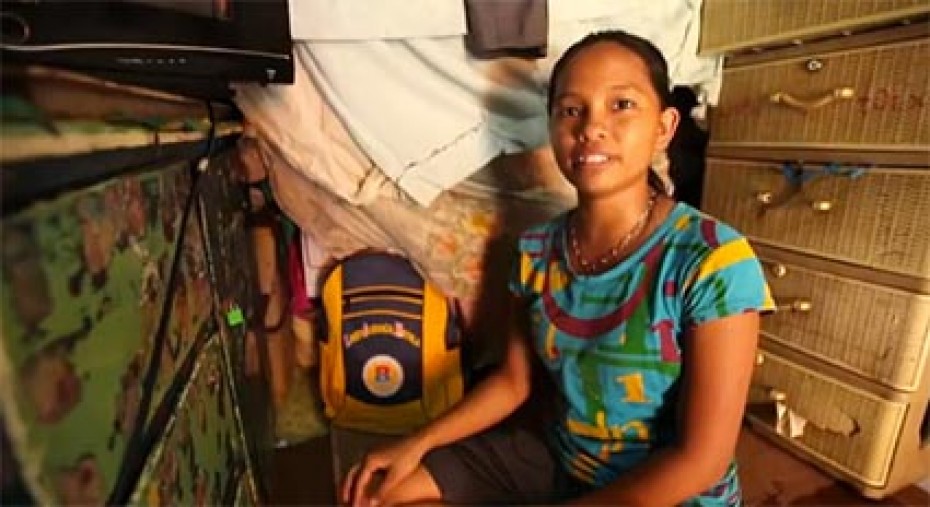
(418, 488)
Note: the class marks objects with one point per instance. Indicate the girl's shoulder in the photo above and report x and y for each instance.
(539, 237)
(691, 226)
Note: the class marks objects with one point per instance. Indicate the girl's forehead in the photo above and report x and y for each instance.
(606, 54)
(606, 63)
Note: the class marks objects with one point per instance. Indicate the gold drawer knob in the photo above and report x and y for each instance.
(844, 93)
(798, 305)
(760, 359)
(822, 206)
(777, 269)
(814, 65)
(777, 395)
(765, 197)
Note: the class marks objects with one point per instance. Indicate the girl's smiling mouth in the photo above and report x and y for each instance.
(593, 160)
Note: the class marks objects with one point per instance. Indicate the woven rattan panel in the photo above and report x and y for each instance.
(877, 220)
(740, 24)
(885, 106)
(851, 429)
(869, 329)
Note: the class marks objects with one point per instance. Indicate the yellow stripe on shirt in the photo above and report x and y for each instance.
(725, 256)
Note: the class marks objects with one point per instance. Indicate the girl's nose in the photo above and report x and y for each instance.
(592, 130)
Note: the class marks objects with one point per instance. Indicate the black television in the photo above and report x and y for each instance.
(193, 47)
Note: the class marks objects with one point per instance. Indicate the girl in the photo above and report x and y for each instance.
(644, 312)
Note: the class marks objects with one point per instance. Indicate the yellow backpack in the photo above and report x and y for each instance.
(391, 348)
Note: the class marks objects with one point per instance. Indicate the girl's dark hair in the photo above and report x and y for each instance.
(645, 50)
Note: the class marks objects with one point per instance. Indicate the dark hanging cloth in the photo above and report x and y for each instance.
(507, 28)
(687, 150)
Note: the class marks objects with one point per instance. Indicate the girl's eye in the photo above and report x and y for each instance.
(569, 111)
(622, 104)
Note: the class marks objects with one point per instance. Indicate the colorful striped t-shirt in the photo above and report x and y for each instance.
(612, 340)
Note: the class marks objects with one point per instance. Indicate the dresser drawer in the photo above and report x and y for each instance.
(877, 220)
(732, 25)
(850, 429)
(873, 330)
(874, 98)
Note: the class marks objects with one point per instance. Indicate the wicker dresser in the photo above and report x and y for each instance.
(820, 153)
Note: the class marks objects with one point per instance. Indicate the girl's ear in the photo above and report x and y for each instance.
(668, 122)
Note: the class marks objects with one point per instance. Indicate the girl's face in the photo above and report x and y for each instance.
(607, 122)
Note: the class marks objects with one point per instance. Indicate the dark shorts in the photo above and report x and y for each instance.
(503, 466)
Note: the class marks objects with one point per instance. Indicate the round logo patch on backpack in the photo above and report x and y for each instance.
(383, 375)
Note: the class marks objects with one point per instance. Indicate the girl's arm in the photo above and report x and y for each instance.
(494, 398)
(489, 402)
(717, 367)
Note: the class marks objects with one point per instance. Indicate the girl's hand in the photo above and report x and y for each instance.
(394, 463)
